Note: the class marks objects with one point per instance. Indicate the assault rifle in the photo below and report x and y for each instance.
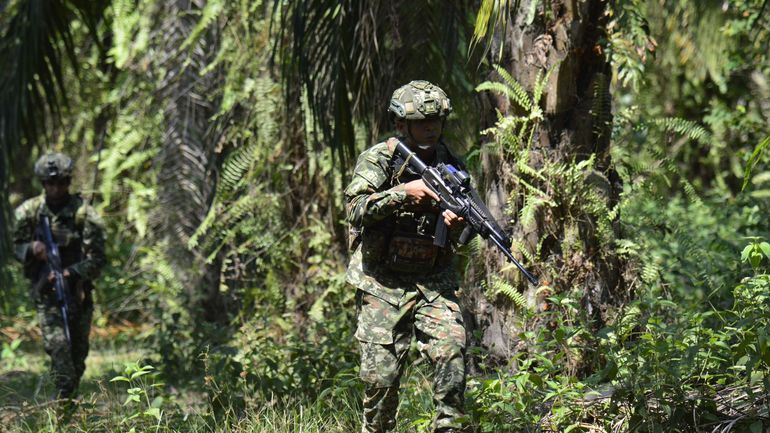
(453, 186)
(54, 264)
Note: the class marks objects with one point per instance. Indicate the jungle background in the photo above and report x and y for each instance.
(623, 144)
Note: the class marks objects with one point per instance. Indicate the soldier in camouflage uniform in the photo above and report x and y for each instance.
(406, 286)
(78, 232)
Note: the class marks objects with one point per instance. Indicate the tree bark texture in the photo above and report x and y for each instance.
(187, 161)
(5, 215)
(566, 36)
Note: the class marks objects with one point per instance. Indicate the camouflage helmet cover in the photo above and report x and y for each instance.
(54, 165)
(419, 100)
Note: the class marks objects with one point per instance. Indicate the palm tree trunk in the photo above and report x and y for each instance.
(187, 160)
(565, 35)
(5, 220)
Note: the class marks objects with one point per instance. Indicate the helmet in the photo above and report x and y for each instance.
(54, 165)
(419, 100)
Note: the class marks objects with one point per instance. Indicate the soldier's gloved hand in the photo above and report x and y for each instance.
(451, 219)
(39, 252)
(418, 193)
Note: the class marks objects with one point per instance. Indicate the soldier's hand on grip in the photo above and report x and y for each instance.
(38, 250)
(451, 219)
(419, 193)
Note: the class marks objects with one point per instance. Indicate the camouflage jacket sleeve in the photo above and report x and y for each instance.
(367, 198)
(25, 221)
(93, 245)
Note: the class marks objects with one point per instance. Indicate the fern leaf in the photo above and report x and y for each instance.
(510, 88)
(522, 249)
(506, 91)
(210, 12)
(685, 127)
(540, 84)
(529, 210)
(504, 288)
(650, 272)
(692, 195)
(235, 167)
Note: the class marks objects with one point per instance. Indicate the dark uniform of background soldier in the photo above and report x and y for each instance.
(405, 285)
(79, 234)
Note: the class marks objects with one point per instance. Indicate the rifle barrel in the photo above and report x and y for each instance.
(532, 279)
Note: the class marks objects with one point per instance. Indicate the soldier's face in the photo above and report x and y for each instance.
(56, 190)
(426, 132)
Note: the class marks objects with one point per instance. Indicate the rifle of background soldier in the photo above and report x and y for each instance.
(48, 252)
(451, 188)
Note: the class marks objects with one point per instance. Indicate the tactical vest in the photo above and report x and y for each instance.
(403, 242)
(66, 227)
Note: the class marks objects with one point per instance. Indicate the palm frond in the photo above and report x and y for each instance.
(495, 16)
(348, 57)
(35, 43)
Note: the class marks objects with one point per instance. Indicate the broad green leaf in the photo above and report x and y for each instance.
(753, 160)
(139, 373)
(765, 247)
(153, 412)
(745, 253)
(131, 398)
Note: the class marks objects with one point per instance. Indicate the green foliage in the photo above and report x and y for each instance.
(572, 191)
(131, 30)
(10, 356)
(698, 366)
(685, 127)
(707, 58)
(755, 253)
(664, 363)
(340, 54)
(518, 130)
(689, 353)
(755, 157)
(143, 402)
(494, 17)
(629, 42)
(502, 287)
(538, 388)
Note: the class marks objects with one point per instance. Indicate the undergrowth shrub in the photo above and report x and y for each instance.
(690, 351)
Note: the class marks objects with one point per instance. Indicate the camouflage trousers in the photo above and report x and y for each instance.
(385, 333)
(67, 364)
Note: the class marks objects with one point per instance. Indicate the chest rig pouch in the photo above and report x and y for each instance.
(67, 229)
(411, 249)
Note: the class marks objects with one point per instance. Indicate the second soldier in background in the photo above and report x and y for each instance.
(79, 234)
